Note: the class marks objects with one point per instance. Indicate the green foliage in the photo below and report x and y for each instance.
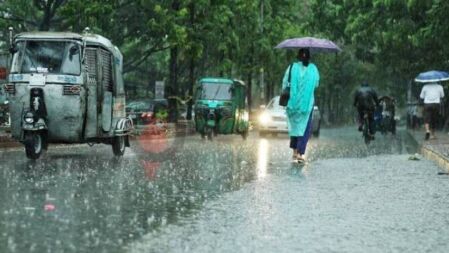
(391, 40)
(385, 42)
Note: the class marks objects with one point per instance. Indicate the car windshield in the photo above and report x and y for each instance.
(216, 91)
(53, 57)
(274, 104)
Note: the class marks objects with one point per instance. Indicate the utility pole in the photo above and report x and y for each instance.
(262, 71)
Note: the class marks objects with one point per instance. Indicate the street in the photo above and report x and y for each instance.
(226, 195)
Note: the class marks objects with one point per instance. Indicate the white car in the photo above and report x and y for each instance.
(273, 119)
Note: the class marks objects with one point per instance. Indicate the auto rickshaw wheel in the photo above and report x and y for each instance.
(118, 145)
(209, 133)
(35, 143)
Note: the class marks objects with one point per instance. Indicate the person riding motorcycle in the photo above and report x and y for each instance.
(366, 101)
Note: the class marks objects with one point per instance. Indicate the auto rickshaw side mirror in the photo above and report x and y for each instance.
(74, 50)
(13, 49)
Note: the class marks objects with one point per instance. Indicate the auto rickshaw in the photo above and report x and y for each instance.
(221, 108)
(66, 88)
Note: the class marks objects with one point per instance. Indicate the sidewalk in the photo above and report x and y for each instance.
(436, 150)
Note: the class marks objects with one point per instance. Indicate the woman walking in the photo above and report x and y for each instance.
(303, 81)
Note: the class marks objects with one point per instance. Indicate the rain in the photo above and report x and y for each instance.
(224, 126)
(76, 199)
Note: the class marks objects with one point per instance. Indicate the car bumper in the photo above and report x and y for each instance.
(274, 127)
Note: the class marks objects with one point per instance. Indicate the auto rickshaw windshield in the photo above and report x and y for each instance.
(53, 57)
(216, 91)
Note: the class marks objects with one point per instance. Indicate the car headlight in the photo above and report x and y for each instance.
(29, 117)
(264, 118)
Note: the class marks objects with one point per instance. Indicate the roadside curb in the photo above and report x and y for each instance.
(440, 159)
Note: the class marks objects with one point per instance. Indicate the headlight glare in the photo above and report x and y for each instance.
(264, 118)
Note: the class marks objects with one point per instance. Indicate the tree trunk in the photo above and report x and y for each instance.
(249, 91)
(192, 64)
(269, 94)
(329, 106)
(191, 85)
(172, 89)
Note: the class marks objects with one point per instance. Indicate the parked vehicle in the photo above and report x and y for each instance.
(4, 108)
(147, 111)
(4, 114)
(388, 115)
(316, 121)
(221, 107)
(67, 88)
(273, 119)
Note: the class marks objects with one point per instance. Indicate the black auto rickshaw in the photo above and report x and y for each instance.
(221, 107)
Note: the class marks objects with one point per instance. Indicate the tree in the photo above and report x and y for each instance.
(26, 15)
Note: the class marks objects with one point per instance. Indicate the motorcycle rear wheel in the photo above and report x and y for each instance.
(35, 143)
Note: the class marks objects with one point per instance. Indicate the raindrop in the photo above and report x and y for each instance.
(163, 221)
(150, 219)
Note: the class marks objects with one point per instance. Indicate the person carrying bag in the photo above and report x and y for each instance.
(298, 87)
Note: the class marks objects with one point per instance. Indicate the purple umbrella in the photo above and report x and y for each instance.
(313, 44)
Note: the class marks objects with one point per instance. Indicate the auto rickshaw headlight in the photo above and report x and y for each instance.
(29, 117)
(264, 118)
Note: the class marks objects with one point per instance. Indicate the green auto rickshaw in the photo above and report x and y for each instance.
(221, 107)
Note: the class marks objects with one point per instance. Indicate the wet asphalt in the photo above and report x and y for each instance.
(226, 195)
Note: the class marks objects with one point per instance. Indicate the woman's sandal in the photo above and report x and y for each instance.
(300, 159)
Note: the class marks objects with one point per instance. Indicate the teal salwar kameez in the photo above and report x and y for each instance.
(303, 81)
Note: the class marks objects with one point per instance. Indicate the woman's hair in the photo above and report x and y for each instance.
(304, 56)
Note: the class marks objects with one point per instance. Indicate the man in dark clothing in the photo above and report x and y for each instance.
(366, 100)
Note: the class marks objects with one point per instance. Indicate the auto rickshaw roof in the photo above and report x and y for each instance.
(48, 35)
(216, 80)
(240, 82)
(89, 38)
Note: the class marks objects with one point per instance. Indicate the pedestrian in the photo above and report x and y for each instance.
(419, 115)
(304, 78)
(431, 93)
(366, 101)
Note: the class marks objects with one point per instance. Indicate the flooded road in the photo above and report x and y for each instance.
(226, 195)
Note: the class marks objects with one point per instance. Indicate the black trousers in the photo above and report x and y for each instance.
(431, 113)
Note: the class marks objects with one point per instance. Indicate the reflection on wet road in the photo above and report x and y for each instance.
(223, 196)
